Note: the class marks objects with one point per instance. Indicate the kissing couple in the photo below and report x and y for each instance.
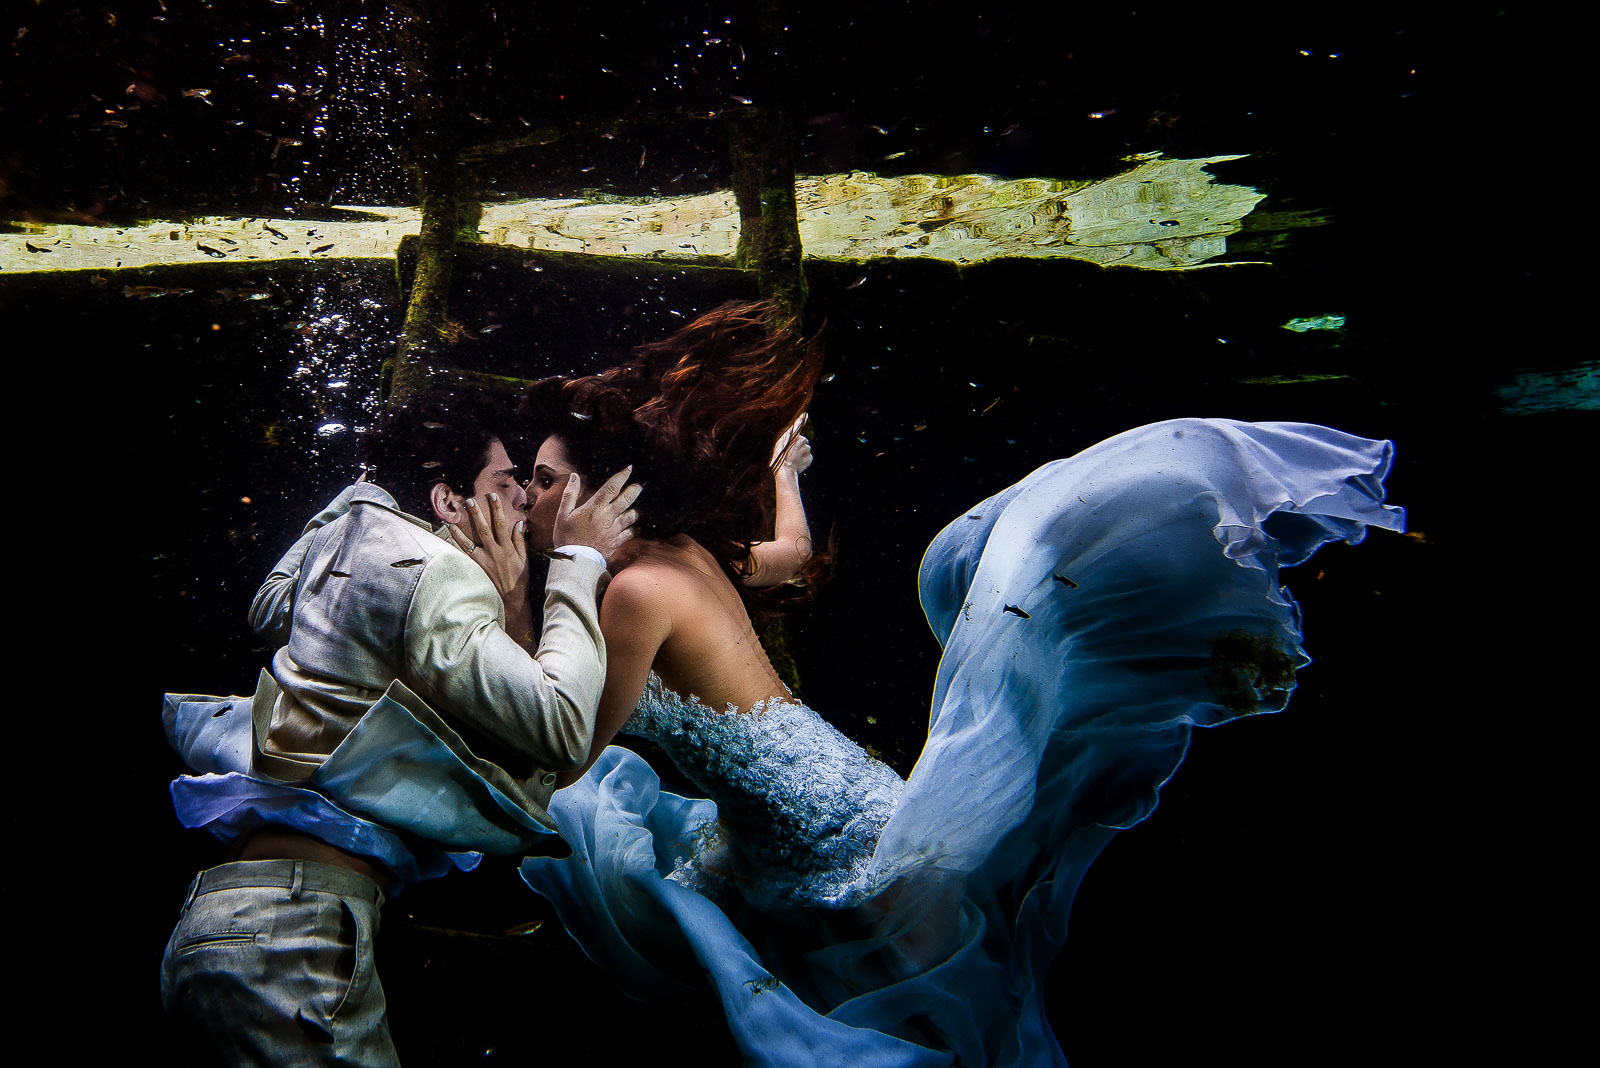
(415, 716)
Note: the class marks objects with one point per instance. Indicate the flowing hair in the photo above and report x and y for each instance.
(697, 415)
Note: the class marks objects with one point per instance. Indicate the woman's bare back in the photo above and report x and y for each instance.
(711, 649)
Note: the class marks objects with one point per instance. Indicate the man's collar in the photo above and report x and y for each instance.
(371, 493)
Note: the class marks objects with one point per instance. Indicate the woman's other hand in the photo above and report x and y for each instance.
(604, 522)
(793, 451)
(499, 549)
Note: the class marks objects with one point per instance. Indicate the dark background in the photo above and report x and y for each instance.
(1361, 876)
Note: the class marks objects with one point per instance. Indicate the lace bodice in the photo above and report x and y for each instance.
(799, 805)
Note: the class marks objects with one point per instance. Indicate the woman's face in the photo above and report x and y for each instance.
(550, 470)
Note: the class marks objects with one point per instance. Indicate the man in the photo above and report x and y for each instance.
(411, 720)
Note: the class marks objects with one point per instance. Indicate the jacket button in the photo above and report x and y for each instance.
(549, 778)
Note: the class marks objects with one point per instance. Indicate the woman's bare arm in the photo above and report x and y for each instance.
(636, 619)
(777, 561)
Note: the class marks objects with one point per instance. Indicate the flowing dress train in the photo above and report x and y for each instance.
(1091, 615)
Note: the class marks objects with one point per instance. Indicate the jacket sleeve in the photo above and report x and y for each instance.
(457, 650)
(273, 607)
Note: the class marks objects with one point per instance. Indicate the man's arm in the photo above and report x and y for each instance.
(458, 648)
(273, 607)
(463, 660)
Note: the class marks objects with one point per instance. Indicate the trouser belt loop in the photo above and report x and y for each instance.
(298, 883)
(194, 888)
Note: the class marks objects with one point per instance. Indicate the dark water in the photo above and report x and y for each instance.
(1316, 886)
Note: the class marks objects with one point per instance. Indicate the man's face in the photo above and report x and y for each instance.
(499, 475)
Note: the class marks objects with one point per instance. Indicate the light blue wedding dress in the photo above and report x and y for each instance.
(1091, 615)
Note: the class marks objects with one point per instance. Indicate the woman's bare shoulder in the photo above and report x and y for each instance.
(654, 581)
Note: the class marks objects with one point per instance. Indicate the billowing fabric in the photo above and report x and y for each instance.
(1091, 615)
(271, 964)
(401, 789)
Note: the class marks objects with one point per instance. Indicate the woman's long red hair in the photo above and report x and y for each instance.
(697, 415)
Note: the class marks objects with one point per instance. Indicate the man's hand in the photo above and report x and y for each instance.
(602, 522)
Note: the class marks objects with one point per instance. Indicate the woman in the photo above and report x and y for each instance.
(1090, 614)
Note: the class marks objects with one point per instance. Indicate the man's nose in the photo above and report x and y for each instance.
(519, 500)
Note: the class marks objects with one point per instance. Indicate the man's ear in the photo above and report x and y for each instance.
(448, 505)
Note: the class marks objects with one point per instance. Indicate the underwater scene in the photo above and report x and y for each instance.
(234, 234)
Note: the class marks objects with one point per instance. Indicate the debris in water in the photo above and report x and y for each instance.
(151, 292)
(322, 248)
(1315, 322)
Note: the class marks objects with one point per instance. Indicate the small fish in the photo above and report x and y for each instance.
(34, 248)
(1288, 380)
(1014, 610)
(433, 426)
(858, 282)
(200, 95)
(762, 985)
(1418, 536)
(209, 251)
(244, 294)
(520, 929)
(433, 463)
(279, 234)
(1068, 583)
(409, 563)
(322, 248)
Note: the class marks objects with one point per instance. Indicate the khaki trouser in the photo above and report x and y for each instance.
(271, 964)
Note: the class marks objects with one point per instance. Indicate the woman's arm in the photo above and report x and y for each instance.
(636, 620)
(776, 561)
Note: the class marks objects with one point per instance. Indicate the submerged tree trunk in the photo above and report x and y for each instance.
(761, 143)
(769, 225)
(428, 328)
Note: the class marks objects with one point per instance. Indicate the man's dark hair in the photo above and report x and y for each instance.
(435, 435)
